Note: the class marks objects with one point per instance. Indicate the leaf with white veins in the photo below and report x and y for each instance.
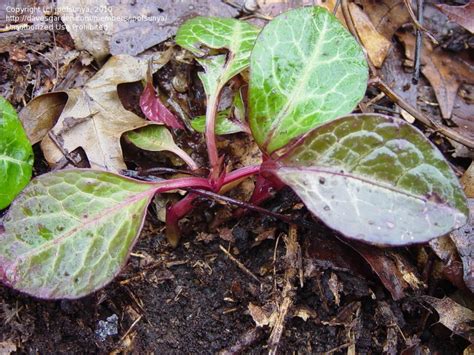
(16, 154)
(224, 122)
(376, 179)
(157, 139)
(70, 232)
(236, 36)
(306, 69)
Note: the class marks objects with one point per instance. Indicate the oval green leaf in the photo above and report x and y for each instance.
(70, 232)
(306, 69)
(376, 179)
(156, 138)
(16, 154)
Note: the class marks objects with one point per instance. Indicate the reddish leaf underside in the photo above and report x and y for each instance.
(155, 111)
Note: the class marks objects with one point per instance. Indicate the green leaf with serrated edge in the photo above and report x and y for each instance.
(70, 232)
(16, 154)
(236, 36)
(305, 69)
(376, 179)
(157, 138)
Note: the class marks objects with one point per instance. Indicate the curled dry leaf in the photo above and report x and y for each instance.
(261, 316)
(450, 265)
(386, 15)
(463, 15)
(41, 114)
(444, 71)
(394, 272)
(453, 316)
(467, 181)
(377, 46)
(94, 118)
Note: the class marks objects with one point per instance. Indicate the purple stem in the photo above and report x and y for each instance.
(190, 182)
(241, 173)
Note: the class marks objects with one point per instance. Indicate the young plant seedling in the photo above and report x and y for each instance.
(371, 177)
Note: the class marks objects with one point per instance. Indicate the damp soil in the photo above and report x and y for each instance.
(194, 299)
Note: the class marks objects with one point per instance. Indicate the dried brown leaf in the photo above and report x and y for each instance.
(41, 113)
(444, 71)
(386, 15)
(450, 264)
(462, 15)
(262, 316)
(102, 33)
(467, 181)
(335, 287)
(376, 45)
(394, 271)
(94, 118)
(464, 240)
(453, 316)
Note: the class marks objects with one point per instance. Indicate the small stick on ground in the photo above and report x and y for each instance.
(240, 265)
(417, 22)
(446, 131)
(336, 7)
(291, 259)
(70, 157)
(130, 329)
(392, 95)
(419, 41)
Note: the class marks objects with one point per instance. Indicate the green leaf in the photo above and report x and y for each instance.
(224, 123)
(16, 154)
(306, 69)
(157, 138)
(376, 179)
(70, 232)
(236, 36)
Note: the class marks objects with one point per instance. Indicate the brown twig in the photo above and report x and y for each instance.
(418, 43)
(392, 95)
(131, 327)
(240, 265)
(417, 22)
(293, 249)
(63, 150)
(336, 7)
(446, 131)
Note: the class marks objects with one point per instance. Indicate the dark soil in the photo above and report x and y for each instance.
(193, 299)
